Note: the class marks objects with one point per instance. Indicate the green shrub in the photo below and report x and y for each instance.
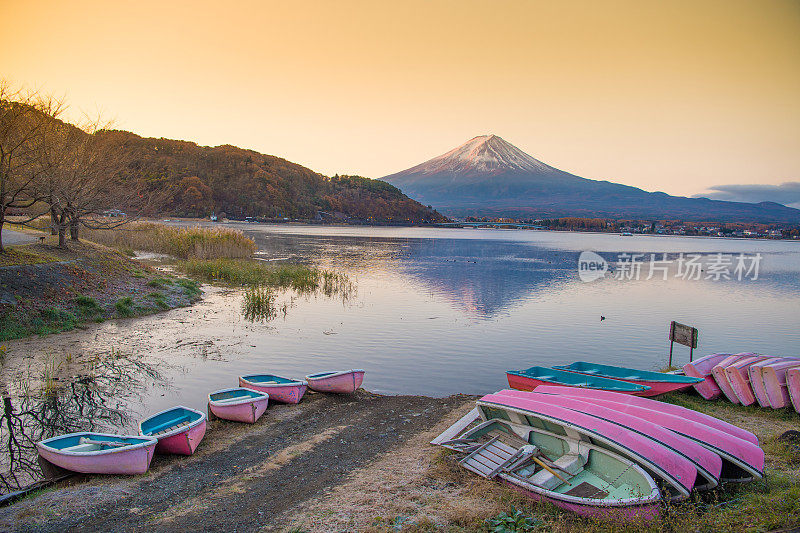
(159, 283)
(512, 522)
(159, 299)
(87, 307)
(124, 307)
(191, 288)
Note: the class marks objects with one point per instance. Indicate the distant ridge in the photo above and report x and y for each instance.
(488, 176)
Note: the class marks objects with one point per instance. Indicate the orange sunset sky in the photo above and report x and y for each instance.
(665, 95)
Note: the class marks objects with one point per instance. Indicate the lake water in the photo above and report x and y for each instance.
(440, 311)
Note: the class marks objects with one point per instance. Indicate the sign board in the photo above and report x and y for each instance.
(682, 334)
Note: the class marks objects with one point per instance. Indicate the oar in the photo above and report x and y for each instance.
(543, 465)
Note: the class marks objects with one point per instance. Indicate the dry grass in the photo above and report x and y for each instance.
(193, 242)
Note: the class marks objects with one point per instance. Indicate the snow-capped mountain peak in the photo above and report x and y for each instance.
(482, 154)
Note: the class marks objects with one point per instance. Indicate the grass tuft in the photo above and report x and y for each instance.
(124, 307)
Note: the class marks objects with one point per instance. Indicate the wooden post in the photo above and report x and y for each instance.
(671, 341)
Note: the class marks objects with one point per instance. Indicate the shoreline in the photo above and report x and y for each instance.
(363, 462)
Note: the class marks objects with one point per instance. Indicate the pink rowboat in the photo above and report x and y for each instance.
(741, 460)
(238, 404)
(701, 368)
(707, 463)
(662, 407)
(738, 376)
(774, 377)
(678, 472)
(98, 453)
(280, 389)
(746, 359)
(793, 386)
(342, 382)
(757, 380)
(179, 430)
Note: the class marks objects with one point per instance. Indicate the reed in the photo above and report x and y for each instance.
(254, 273)
(259, 304)
(183, 242)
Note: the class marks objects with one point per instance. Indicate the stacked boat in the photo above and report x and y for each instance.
(594, 376)
(179, 430)
(748, 378)
(600, 453)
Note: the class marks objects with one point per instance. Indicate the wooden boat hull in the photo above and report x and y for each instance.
(757, 380)
(247, 409)
(793, 387)
(528, 380)
(656, 382)
(707, 463)
(774, 378)
(675, 470)
(701, 368)
(720, 376)
(741, 460)
(344, 382)
(688, 414)
(182, 438)
(291, 392)
(121, 460)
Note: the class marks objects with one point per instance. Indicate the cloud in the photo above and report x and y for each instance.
(786, 193)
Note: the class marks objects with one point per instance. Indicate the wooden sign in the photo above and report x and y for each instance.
(682, 334)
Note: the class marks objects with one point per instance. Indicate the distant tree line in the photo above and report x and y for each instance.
(77, 173)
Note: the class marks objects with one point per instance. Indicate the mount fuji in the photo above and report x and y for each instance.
(488, 176)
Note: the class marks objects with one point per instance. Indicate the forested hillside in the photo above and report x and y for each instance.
(197, 181)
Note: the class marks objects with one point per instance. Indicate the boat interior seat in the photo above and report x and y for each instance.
(234, 399)
(544, 479)
(572, 463)
(83, 447)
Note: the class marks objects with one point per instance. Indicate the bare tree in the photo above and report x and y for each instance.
(82, 180)
(24, 116)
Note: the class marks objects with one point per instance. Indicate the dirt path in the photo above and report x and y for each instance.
(243, 477)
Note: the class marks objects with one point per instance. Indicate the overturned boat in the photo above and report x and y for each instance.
(707, 463)
(742, 460)
(702, 368)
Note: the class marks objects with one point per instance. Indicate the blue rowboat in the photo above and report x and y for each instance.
(658, 382)
(534, 376)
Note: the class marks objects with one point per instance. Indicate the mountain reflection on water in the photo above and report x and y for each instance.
(484, 277)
